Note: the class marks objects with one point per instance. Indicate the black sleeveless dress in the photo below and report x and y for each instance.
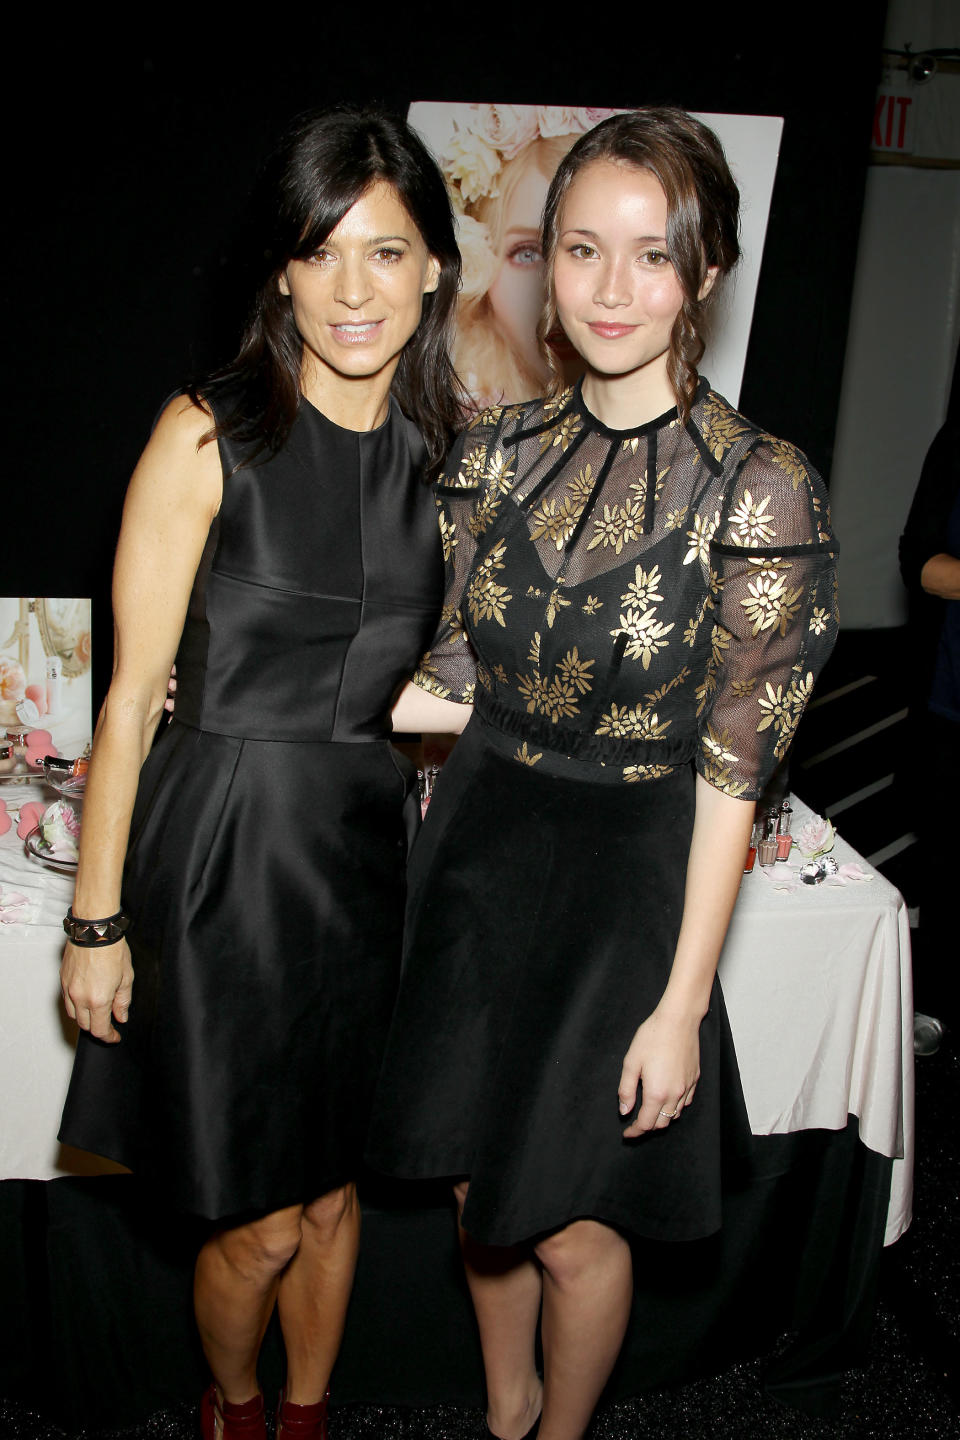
(265, 872)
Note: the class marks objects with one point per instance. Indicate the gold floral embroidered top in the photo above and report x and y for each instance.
(634, 600)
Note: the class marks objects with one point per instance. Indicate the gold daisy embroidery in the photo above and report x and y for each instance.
(675, 518)
(474, 464)
(753, 525)
(819, 621)
(500, 674)
(700, 537)
(577, 671)
(533, 688)
(524, 756)
(591, 605)
(560, 434)
(553, 407)
(448, 537)
(555, 520)
(722, 427)
(787, 457)
(489, 416)
(646, 634)
(485, 598)
(624, 722)
(555, 604)
(769, 603)
(633, 773)
(425, 678)
(581, 486)
(644, 588)
(609, 529)
(718, 756)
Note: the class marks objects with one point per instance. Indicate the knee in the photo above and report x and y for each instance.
(569, 1254)
(328, 1212)
(263, 1247)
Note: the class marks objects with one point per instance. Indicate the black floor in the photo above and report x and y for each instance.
(910, 1385)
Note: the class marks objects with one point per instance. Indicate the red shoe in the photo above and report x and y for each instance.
(302, 1422)
(219, 1420)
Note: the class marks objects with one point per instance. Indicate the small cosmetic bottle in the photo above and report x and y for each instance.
(752, 849)
(54, 684)
(767, 849)
(784, 838)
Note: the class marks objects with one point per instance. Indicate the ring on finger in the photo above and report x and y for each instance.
(670, 1114)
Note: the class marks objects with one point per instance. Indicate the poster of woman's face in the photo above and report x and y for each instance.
(498, 161)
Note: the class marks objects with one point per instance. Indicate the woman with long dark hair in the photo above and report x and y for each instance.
(279, 542)
(640, 593)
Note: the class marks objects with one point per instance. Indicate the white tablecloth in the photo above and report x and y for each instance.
(819, 990)
(817, 984)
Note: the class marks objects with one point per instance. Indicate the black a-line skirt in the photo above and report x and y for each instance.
(542, 919)
(266, 885)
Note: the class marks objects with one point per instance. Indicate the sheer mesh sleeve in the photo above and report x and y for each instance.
(773, 579)
(475, 479)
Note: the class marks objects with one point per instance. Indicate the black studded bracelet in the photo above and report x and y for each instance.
(89, 934)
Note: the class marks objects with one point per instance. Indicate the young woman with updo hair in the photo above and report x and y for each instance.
(640, 593)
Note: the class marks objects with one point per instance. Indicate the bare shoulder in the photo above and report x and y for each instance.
(181, 459)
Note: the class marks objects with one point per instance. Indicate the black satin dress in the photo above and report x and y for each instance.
(265, 873)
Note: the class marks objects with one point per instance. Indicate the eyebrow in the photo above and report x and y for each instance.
(638, 239)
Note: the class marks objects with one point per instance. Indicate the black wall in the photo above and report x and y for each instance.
(127, 165)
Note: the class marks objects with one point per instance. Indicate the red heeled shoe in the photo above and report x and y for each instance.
(237, 1422)
(302, 1422)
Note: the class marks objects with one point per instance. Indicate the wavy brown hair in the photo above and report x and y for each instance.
(322, 167)
(703, 209)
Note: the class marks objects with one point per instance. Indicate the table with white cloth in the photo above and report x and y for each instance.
(818, 988)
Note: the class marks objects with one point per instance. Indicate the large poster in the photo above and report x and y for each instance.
(498, 161)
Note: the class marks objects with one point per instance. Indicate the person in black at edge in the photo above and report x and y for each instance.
(930, 566)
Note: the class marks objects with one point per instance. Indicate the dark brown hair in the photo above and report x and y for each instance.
(322, 167)
(703, 205)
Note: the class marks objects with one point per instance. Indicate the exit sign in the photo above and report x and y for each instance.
(893, 116)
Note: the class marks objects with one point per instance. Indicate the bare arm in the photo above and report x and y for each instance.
(665, 1051)
(941, 576)
(417, 712)
(173, 496)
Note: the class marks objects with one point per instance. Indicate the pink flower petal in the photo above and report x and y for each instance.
(5, 821)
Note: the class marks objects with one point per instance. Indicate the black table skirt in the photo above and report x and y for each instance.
(96, 1283)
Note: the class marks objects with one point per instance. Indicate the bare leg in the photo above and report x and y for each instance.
(315, 1290)
(234, 1291)
(587, 1292)
(505, 1287)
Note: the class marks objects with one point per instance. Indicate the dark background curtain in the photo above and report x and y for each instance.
(128, 159)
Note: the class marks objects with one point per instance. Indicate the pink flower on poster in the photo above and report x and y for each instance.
(508, 128)
(560, 120)
(13, 682)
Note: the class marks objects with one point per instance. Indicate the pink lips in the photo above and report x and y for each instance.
(357, 332)
(610, 332)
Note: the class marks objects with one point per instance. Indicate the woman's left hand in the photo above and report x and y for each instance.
(664, 1062)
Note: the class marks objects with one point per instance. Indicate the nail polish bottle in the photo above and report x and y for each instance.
(767, 849)
(752, 849)
(784, 838)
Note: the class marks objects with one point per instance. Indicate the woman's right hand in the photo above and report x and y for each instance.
(96, 983)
